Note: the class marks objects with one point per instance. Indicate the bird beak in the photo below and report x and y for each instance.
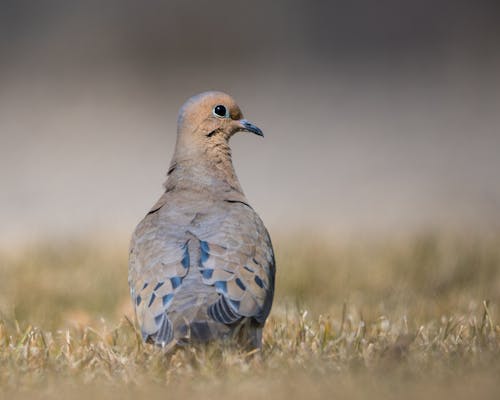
(246, 126)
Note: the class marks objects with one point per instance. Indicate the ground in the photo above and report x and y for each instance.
(372, 317)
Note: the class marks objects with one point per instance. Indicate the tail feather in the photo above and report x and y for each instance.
(164, 335)
(222, 312)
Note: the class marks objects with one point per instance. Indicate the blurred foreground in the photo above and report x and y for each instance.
(384, 318)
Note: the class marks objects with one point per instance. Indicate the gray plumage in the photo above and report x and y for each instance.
(201, 262)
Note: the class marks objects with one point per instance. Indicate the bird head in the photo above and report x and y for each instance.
(212, 117)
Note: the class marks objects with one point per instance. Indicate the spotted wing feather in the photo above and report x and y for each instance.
(238, 261)
(156, 270)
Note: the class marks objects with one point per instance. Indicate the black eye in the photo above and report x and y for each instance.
(220, 111)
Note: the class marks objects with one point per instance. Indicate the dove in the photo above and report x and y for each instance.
(201, 262)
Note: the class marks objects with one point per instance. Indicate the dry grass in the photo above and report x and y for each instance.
(376, 318)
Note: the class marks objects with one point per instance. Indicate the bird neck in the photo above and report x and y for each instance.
(208, 168)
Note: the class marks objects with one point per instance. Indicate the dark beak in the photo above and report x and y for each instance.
(249, 127)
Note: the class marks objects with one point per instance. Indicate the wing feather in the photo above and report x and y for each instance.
(156, 269)
(238, 261)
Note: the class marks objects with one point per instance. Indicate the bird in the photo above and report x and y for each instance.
(201, 262)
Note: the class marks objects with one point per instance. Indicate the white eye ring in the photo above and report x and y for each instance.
(220, 111)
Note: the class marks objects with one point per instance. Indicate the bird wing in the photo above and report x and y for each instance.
(158, 262)
(235, 257)
(238, 260)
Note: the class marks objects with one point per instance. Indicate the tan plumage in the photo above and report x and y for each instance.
(201, 262)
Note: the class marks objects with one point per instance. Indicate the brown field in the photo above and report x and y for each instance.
(386, 317)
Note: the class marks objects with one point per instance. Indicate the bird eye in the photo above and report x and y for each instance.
(220, 111)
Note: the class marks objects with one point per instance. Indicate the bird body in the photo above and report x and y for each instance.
(201, 262)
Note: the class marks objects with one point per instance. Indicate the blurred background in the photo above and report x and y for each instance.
(378, 179)
(379, 116)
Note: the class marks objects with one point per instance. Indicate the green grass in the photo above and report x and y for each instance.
(376, 317)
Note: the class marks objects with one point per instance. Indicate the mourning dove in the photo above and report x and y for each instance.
(201, 265)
